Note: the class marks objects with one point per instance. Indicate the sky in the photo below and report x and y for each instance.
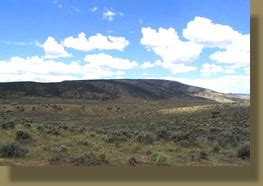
(197, 42)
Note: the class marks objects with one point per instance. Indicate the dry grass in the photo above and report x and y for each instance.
(68, 132)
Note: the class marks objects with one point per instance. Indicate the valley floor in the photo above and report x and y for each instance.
(38, 132)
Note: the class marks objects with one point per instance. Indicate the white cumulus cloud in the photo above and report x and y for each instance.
(41, 69)
(210, 69)
(174, 68)
(177, 68)
(237, 53)
(224, 84)
(37, 69)
(94, 9)
(107, 62)
(166, 44)
(247, 70)
(182, 68)
(97, 41)
(97, 73)
(53, 49)
(109, 15)
(233, 47)
(146, 65)
(203, 31)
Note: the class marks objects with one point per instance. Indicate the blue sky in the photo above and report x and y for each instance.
(199, 42)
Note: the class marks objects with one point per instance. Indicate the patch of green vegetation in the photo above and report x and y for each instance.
(12, 150)
(244, 151)
(158, 159)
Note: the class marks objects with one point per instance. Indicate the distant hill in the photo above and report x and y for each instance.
(241, 95)
(128, 89)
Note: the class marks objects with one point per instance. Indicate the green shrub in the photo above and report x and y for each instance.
(215, 130)
(22, 136)
(27, 125)
(8, 125)
(215, 114)
(226, 139)
(58, 155)
(88, 159)
(145, 138)
(158, 159)
(11, 150)
(41, 129)
(187, 138)
(116, 137)
(71, 129)
(85, 143)
(65, 127)
(243, 151)
(216, 149)
(203, 155)
(54, 131)
(163, 134)
(80, 129)
(132, 161)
